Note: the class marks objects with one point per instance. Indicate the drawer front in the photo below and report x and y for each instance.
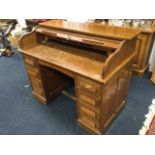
(89, 123)
(33, 71)
(88, 98)
(89, 106)
(29, 60)
(88, 113)
(89, 85)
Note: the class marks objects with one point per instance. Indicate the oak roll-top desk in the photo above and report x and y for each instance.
(96, 58)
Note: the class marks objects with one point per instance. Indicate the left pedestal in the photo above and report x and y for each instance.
(35, 78)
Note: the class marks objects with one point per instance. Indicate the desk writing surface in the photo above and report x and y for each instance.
(76, 60)
(93, 29)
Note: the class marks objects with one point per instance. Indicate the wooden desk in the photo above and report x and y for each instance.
(96, 59)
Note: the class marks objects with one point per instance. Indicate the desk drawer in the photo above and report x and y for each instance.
(88, 122)
(29, 60)
(88, 113)
(89, 85)
(33, 72)
(88, 98)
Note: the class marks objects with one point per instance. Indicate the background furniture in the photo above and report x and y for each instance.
(152, 58)
(143, 47)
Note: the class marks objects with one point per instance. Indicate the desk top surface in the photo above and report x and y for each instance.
(93, 29)
(76, 60)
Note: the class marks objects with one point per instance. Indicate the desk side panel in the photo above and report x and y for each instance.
(116, 61)
(29, 40)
